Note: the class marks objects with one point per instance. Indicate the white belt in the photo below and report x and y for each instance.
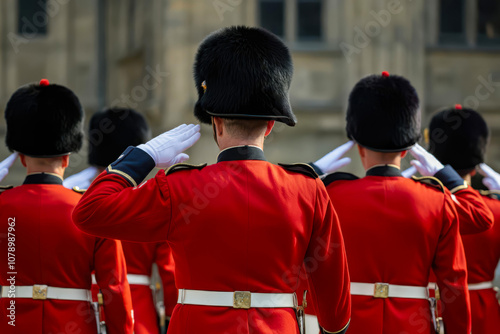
(132, 279)
(138, 279)
(237, 299)
(473, 286)
(481, 286)
(385, 290)
(43, 292)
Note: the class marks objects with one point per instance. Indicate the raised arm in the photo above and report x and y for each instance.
(474, 215)
(117, 206)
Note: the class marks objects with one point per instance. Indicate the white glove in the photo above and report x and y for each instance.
(5, 165)
(409, 172)
(332, 162)
(426, 163)
(166, 149)
(491, 178)
(82, 179)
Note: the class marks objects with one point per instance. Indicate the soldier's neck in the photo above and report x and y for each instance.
(371, 158)
(38, 169)
(56, 165)
(225, 143)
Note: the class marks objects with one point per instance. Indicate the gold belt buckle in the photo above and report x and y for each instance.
(381, 290)
(40, 292)
(242, 299)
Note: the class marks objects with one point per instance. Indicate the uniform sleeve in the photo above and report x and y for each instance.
(474, 216)
(115, 207)
(451, 273)
(326, 266)
(165, 263)
(111, 276)
(473, 213)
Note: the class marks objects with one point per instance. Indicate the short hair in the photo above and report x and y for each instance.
(245, 128)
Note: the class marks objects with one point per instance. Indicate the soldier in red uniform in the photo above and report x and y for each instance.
(111, 131)
(240, 229)
(46, 261)
(396, 229)
(458, 137)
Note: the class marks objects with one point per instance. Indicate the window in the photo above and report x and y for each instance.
(272, 16)
(452, 22)
(32, 19)
(469, 22)
(488, 22)
(309, 19)
(293, 20)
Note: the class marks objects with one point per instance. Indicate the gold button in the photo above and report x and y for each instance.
(40, 292)
(242, 299)
(381, 290)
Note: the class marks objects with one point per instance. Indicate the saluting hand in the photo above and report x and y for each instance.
(426, 163)
(166, 149)
(491, 178)
(82, 179)
(332, 162)
(5, 165)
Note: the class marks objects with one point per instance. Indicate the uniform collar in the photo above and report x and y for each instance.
(241, 153)
(384, 170)
(43, 178)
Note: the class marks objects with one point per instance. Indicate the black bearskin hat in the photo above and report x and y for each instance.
(383, 113)
(243, 72)
(44, 120)
(111, 131)
(458, 137)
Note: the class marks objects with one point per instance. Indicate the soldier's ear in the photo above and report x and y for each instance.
(361, 151)
(65, 161)
(218, 125)
(22, 157)
(270, 125)
(403, 154)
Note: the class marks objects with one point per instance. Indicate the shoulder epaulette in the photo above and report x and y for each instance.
(338, 176)
(495, 194)
(78, 190)
(183, 166)
(300, 168)
(3, 188)
(430, 180)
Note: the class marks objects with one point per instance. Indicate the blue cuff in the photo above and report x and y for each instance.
(133, 165)
(450, 178)
(316, 169)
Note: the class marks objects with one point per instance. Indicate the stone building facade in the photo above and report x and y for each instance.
(140, 53)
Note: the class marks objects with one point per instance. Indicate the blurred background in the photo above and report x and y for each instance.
(139, 53)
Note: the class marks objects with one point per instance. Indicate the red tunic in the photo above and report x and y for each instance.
(483, 253)
(50, 250)
(242, 224)
(395, 231)
(140, 258)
